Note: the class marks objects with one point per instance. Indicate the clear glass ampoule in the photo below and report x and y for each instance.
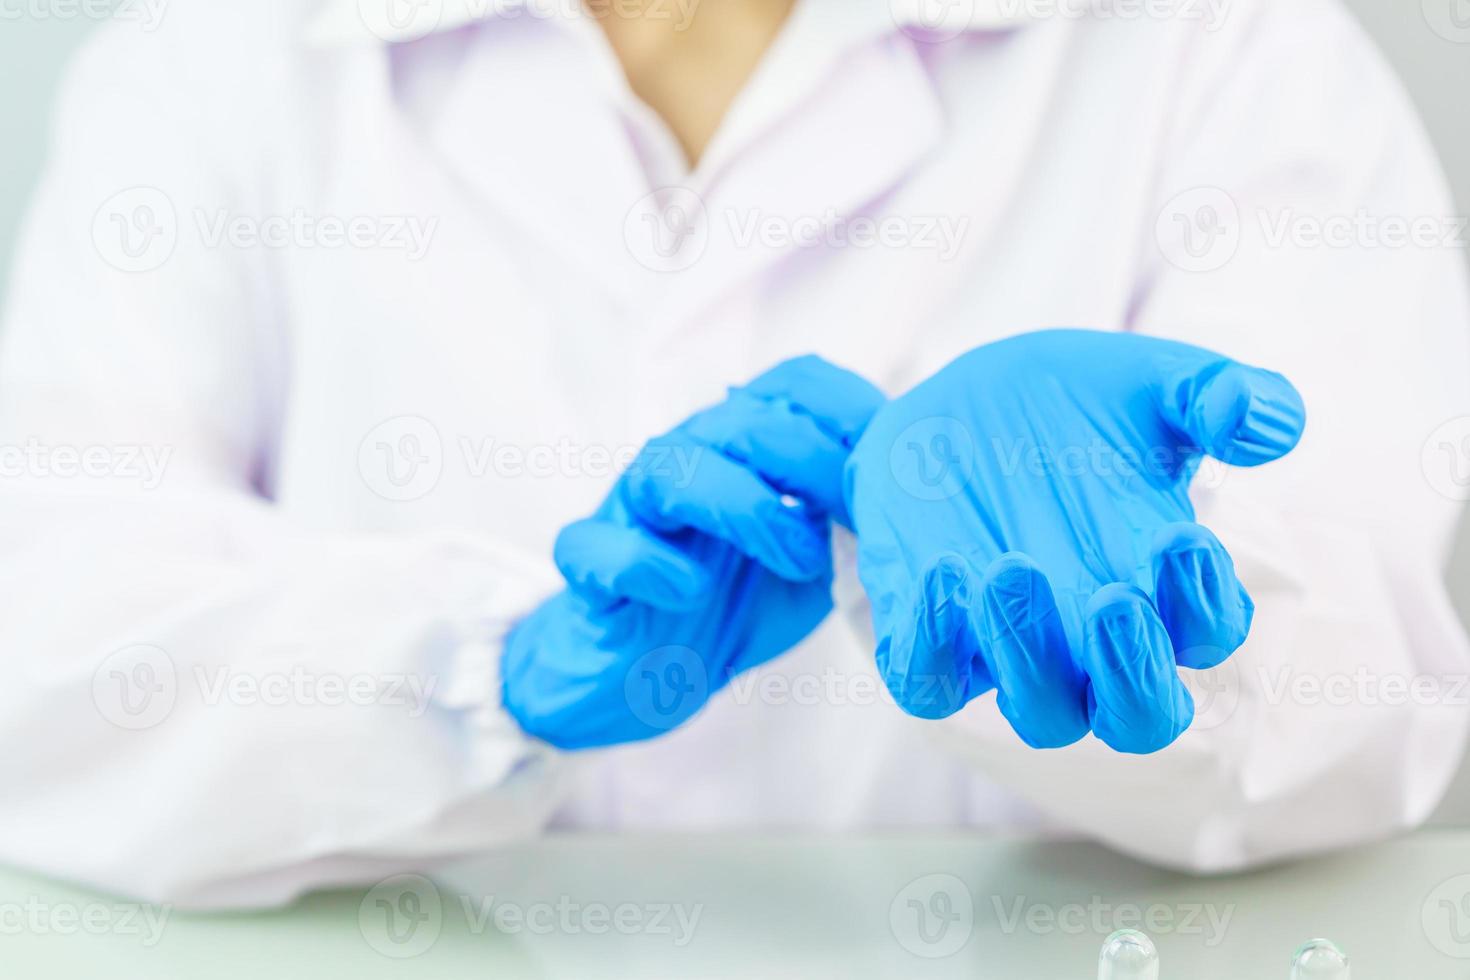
(1128, 955)
(1319, 959)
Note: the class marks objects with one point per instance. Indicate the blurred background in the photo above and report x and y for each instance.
(1428, 42)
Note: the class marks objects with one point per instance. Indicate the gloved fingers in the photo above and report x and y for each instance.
(1201, 603)
(719, 497)
(795, 609)
(1241, 415)
(1040, 689)
(1136, 701)
(839, 401)
(929, 654)
(784, 446)
(604, 563)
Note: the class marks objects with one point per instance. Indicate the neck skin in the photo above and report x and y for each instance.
(689, 59)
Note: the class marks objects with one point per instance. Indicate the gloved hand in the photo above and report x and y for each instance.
(1024, 526)
(710, 556)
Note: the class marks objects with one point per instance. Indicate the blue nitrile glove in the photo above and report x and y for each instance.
(1024, 526)
(695, 568)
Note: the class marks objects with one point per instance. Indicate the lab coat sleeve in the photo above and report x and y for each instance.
(204, 704)
(1342, 719)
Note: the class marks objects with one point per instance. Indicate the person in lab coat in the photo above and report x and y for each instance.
(328, 319)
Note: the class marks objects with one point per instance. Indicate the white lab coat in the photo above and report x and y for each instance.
(364, 437)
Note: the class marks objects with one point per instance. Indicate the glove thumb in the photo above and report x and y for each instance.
(1241, 415)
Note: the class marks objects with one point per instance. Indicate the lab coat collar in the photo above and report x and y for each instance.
(840, 148)
(340, 22)
(809, 154)
(831, 154)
